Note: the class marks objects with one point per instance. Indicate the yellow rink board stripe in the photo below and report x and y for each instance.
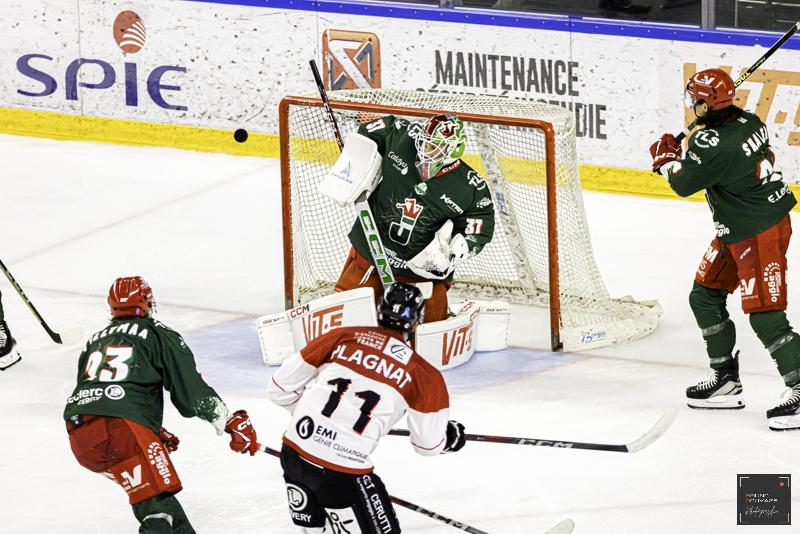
(64, 126)
(80, 128)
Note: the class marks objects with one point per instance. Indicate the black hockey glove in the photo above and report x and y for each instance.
(455, 437)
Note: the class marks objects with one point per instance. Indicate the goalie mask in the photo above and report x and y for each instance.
(131, 296)
(715, 87)
(441, 141)
(401, 308)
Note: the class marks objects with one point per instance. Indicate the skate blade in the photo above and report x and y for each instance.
(9, 359)
(786, 422)
(721, 402)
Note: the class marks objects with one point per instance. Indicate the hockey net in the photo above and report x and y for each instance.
(541, 237)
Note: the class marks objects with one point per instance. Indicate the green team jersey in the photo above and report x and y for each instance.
(408, 210)
(733, 163)
(124, 369)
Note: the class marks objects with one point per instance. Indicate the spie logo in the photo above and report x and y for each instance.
(129, 32)
(42, 76)
(351, 60)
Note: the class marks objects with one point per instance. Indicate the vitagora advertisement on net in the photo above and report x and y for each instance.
(217, 67)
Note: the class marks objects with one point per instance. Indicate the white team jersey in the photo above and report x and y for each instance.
(364, 380)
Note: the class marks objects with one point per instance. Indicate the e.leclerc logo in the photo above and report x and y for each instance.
(131, 37)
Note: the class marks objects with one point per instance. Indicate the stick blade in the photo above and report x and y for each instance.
(658, 429)
(72, 336)
(565, 526)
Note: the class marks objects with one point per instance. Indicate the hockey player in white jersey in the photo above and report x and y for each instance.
(364, 380)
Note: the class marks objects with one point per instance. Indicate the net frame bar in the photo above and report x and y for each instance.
(550, 181)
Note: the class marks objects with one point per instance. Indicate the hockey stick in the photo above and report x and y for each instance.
(55, 336)
(746, 74)
(636, 445)
(365, 216)
(411, 506)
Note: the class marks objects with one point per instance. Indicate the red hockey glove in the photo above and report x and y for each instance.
(243, 435)
(169, 439)
(665, 150)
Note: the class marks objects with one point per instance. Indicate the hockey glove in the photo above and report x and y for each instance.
(169, 439)
(455, 437)
(443, 254)
(243, 435)
(665, 150)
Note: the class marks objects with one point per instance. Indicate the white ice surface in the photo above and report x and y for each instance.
(204, 229)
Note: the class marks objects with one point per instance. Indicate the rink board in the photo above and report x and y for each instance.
(205, 69)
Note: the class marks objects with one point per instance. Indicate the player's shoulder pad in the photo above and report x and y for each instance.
(169, 333)
(473, 178)
(426, 376)
(381, 123)
(707, 140)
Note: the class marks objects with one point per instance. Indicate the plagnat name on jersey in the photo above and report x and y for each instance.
(375, 363)
(132, 329)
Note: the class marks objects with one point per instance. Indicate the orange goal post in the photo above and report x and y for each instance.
(541, 252)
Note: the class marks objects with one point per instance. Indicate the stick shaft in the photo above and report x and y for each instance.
(406, 504)
(746, 74)
(53, 335)
(535, 442)
(365, 217)
(326, 104)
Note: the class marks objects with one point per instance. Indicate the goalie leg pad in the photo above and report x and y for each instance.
(284, 333)
(450, 342)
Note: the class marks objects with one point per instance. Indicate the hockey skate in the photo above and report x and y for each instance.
(786, 415)
(721, 391)
(8, 353)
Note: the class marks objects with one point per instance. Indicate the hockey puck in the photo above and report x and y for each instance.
(240, 135)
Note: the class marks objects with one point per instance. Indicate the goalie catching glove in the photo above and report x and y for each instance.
(442, 255)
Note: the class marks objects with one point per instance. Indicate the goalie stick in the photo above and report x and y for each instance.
(746, 74)
(365, 216)
(655, 432)
(55, 336)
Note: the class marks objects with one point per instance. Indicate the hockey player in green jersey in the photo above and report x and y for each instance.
(8, 353)
(114, 413)
(431, 209)
(729, 157)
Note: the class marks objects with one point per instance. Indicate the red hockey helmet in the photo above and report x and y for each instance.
(130, 296)
(713, 86)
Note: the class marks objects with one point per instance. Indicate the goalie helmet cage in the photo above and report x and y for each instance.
(526, 153)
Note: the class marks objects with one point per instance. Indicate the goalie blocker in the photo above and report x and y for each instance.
(476, 326)
(357, 170)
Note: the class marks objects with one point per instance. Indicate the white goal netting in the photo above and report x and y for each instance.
(511, 155)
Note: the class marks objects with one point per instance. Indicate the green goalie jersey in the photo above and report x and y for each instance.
(408, 210)
(734, 164)
(125, 368)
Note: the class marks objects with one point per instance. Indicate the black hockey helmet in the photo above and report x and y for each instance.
(400, 307)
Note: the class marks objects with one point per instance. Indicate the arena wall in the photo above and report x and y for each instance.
(188, 73)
